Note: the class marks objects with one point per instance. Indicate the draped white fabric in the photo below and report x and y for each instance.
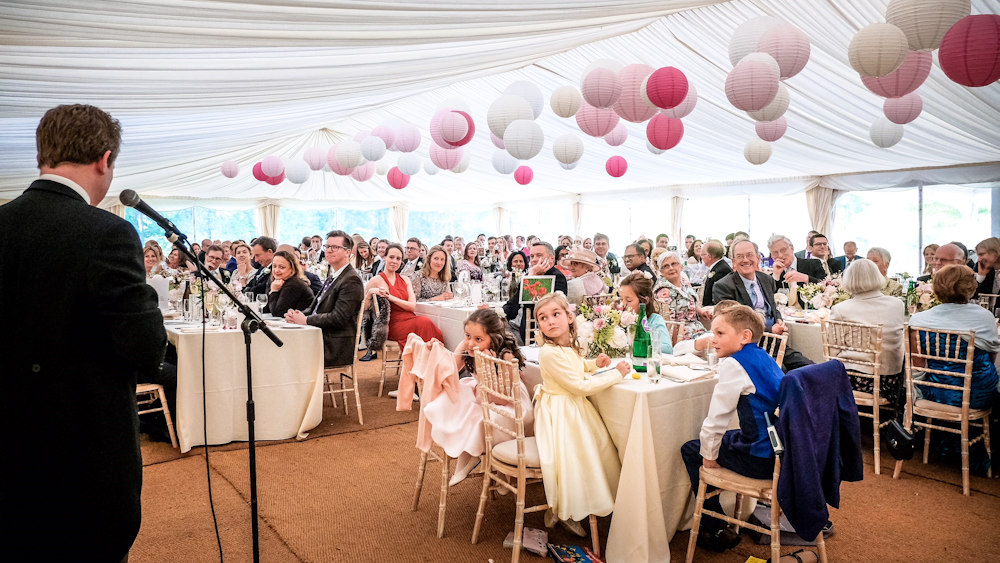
(197, 85)
(118, 210)
(399, 218)
(822, 203)
(501, 221)
(267, 216)
(677, 221)
(577, 217)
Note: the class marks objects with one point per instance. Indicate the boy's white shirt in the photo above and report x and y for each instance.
(733, 382)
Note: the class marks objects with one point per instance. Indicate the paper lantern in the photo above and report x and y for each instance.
(258, 173)
(364, 172)
(652, 149)
(775, 109)
(382, 167)
(757, 152)
(497, 141)
(454, 104)
(372, 148)
(407, 137)
(752, 85)
(409, 163)
(397, 179)
(764, 58)
(386, 133)
(565, 101)
(464, 164)
(274, 181)
(298, 171)
(567, 148)
(617, 136)
(903, 110)
(666, 87)
(430, 168)
(349, 154)
(925, 22)
(523, 175)
(885, 133)
(788, 45)
(315, 157)
(610, 64)
(596, 122)
(530, 93)
(664, 132)
(684, 108)
(470, 128)
(568, 166)
(445, 158)
(230, 169)
(450, 128)
(503, 162)
(771, 131)
(524, 139)
(272, 166)
(907, 78)
(505, 110)
(616, 166)
(630, 105)
(435, 128)
(361, 135)
(335, 166)
(601, 88)
(877, 49)
(970, 51)
(747, 35)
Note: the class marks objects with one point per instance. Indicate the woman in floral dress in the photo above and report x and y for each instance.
(678, 300)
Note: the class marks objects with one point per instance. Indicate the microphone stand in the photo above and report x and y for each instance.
(251, 324)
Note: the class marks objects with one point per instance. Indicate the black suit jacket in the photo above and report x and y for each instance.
(315, 284)
(70, 349)
(336, 313)
(808, 266)
(731, 287)
(512, 306)
(260, 283)
(835, 266)
(718, 271)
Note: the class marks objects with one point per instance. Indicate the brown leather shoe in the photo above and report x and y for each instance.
(719, 541)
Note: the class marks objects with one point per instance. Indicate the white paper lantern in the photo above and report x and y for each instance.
(653, 149)
(878, 49)
(430, 169)
(764, 58)
(297, 171)
(464, 165)
(775, 109)
(757, 152)
(684, 108)
(617, 136)
(504, 163)
(924, 22)
(315, 157)
(362, 135)
(505, 110)
(497, 141)
(383, 166)
(747, 35)
(454, 104)
(349, 154)
(409, 163)
(610, 64)
(373, 148)
(903, 110)
(568, 166)
(789, 46)
(565, 101)
(524, 139)
(567, 148)
(885, 133)
(530, 93)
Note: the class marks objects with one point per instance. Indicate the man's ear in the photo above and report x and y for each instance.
(102, 164)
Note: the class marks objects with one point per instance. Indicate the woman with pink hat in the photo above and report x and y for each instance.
(583, 264)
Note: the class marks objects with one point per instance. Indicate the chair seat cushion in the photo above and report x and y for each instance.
(507, 452)
(732, 481)
(939, 410)
(867, 399)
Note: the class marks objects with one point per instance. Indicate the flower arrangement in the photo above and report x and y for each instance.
(921, 297)
(604, 329)
(824, 294)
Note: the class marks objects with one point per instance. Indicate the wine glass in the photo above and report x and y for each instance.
(261, 301)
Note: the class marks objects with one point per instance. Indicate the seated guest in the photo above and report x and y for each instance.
(807, 253)
(398, 289)
(821, 251)
(868, 305)
(647, 247)
(174, 262)
(951, 254)
(263, 249)
(244, 269)
(609, 262)
(789, 269)
(954, 286)
(678, 300)
(748, 387)
(315, 284)
(585, 281)
(929, 251)
(430, 283)
(988, 252)
(695, 268)
(562, 251)
(635, 260)
(654, 259)
(335, 310)
(152, 259)
(662, 241)
(214, 261)
(850, 254)
(747, 286)
(470, 262)
(543, 262)
(304, 247)
(379, 262)
(712, 253)
(413, 260)
(290, 288)
(459, 245)
(637, 290)
(517, 262)
(588, 243)
(363, 259)
(881, 258)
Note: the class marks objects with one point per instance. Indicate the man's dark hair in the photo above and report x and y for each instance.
(447, 238)
(662, 235)
(601, 236)
(416, 240)
(965, 249)
(481, 235)
(266, 243)
(812, 239)
(348, 239)
(306, 241)
(77, 134)
(638, 248)
(548, 247)
(215, 248)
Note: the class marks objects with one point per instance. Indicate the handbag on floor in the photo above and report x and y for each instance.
(899, 441)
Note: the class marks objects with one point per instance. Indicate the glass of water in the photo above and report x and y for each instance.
(653, 365)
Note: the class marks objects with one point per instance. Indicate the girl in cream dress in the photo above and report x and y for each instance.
(579, 462)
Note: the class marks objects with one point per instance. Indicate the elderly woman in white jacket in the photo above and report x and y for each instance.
(868, 305)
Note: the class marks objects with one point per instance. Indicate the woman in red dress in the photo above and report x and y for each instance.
(402, 301)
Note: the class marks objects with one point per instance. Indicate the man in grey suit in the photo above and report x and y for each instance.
(755, 289)
(335, 310)
(789, 268)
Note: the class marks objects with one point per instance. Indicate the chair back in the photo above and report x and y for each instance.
(701, 294)
(674, 327)
(854, 343)
(529, 326)
(602, 299)
(988, 301)
(500, 379)
(774, 345)
(923, 345)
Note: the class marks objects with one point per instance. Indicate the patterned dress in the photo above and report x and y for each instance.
(426, 288)
(475, 272)
(679, 304)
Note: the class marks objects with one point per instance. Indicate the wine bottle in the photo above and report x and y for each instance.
(640, 342)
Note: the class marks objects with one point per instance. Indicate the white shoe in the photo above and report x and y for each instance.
(462, 472)
(395, 393)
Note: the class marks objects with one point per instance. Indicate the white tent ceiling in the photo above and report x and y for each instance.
(196, 84)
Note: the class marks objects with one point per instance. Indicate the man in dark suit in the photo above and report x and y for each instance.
(635, 260)
(543, 263)
(850, 254)
(413, 261)
(609, 262)
(335, 310)
(711, 254)
(71, 348)
(755, 289)
(213, 261)
(789, 269)
(821, 252)
(263, 249)
(807, 251)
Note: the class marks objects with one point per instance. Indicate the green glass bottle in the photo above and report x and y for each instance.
(641, 342)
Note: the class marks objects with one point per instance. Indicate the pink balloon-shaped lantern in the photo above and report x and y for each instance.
(788, 45)
(397, 179)
(666, 87)
(630, 105)
(385, 133)
(907, 78)
(601, 88)
(407, 137)
(230, 169)
(275, 180)
(272, 166)
(664, 132)
(616, 166)
(470, 130)
(315, 157)
(752, 85)
(970, 51)
(523, 175)
(771, 131)
(497, 141)
(617, 136)
(364, 172)
(596, 122)
(258, 173)
(335, 166)
(903, 110)
(446, 159)
(435, 128)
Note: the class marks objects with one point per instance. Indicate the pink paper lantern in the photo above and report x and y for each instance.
(364, 172)
(272, 166)
(258, 173)
(335, 166)
(596, 122)
(666, 87)
(970, 51)
(360, 135)
(470, 130)
(397, 179)
(903, 110)
(446, 159)
(630, 105)
(435, 128)
(907, 78)
(601, 88)
(275, 180)
(752, 85)
(771, 131)
(407, 137)
(315, 157)
(385, 133)
(497, 141)
(788, 45)
(524, 175)
(617, 136)
(664, 132)
(230, 169)
(617, 166)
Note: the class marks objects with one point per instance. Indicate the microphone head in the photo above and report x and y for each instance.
(129, 198)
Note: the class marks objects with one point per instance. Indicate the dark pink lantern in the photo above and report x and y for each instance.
(970, 51)
(259, 173)
(274, 181)
(397, 179)
(907, 78)
(472, 130)
(666, 87)
(664, 132)
(524, 175)
(617, 166)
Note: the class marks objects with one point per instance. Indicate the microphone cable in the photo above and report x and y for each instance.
(204, 415)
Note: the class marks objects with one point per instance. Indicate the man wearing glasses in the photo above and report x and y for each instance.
(821, 251)
(413, 260)
(635, 260)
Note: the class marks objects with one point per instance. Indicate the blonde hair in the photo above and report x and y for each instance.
(559, 299)
(743, 318)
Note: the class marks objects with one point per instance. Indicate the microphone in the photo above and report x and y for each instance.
(131, 199)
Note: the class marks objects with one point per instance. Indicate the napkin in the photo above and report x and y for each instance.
(683, 373)
(683, 360)
(211, 328)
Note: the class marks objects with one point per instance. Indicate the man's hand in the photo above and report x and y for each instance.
(779, 328)
(295, 317)
(710, 464)
(778, 267)
(797, 277)
(603, 361)
(544, 266)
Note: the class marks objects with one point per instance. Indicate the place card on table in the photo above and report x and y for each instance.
(682, 360)
(683, 373)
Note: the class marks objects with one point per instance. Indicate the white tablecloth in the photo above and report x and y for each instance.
(451, 320)
(288, 385)
(806, 338)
